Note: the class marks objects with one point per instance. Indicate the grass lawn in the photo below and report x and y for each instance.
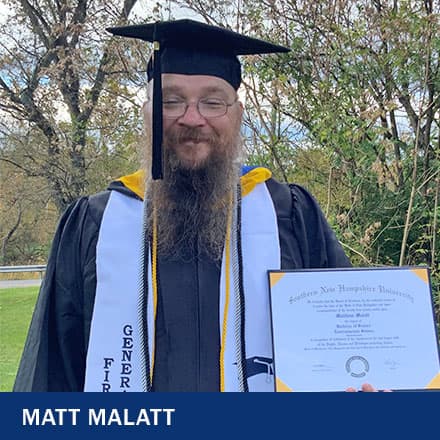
(16, 307)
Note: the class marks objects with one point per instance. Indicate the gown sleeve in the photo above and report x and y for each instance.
(319, 244)
(54, 354)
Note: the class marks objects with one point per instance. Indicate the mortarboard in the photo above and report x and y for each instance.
(190, 47)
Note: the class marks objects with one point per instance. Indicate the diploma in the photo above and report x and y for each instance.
(334, 329)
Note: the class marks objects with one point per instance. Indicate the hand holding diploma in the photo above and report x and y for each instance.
(345, 329)
(365, 388)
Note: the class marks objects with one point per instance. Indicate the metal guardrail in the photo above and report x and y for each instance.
(31, 268)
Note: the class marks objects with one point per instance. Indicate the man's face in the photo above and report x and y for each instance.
(192, 138)
(200, 165)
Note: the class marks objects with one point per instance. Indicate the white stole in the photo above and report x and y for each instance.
(115, 361)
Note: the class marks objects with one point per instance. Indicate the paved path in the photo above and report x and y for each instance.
(7, 284)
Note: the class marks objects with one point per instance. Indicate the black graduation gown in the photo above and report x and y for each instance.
(187, 330)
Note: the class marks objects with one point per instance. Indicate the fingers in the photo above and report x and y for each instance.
(368, 388)
(365, 388)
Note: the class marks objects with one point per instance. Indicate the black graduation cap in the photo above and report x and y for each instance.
(191, 48)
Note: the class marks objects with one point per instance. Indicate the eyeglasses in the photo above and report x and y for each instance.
(173, 108)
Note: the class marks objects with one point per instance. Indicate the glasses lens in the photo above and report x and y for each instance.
(173, 108)
(208, 108)
(212, 108)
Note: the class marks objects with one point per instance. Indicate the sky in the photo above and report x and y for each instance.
(145, 5)
(3, 12)
(138, 10)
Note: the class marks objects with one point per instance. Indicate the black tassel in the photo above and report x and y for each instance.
(157, 155)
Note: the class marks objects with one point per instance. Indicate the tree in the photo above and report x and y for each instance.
(69, 114)
(27, 217)
(55, 59)
(363, 83)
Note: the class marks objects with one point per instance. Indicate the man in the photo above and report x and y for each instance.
(161, 285)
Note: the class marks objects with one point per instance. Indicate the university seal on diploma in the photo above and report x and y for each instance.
(339, 328)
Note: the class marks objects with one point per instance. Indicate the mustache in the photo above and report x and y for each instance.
(189, 134)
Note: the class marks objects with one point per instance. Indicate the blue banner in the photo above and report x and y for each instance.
(228, 416)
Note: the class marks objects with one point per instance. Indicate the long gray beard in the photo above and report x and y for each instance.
(192, 207)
